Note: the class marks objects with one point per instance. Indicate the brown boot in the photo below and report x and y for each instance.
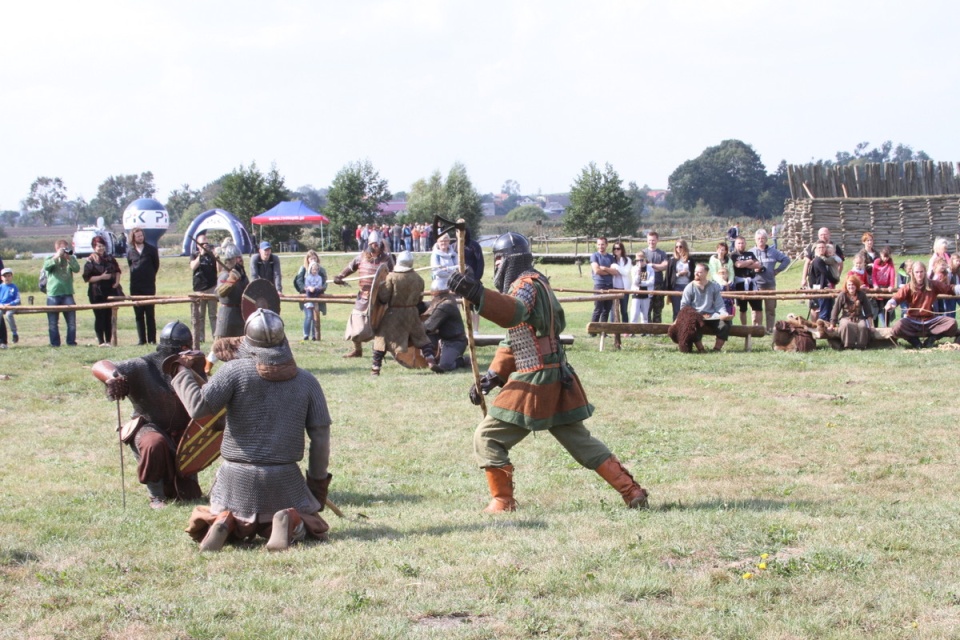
(287, 528)
(718, 345)
(356, 353)
(500, 481)
(218, 532)
(620, 479)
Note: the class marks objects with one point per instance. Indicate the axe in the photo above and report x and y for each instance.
(440, 226)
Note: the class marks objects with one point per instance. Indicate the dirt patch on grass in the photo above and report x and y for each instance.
(447, 620)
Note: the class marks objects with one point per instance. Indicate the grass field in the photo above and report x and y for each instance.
(793, 496)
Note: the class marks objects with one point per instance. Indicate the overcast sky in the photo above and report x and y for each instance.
(529, 91)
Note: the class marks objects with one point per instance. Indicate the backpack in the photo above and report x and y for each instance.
(42, 281)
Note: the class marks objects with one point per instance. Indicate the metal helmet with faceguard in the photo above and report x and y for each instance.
(175, 337)
(264, 328)
(511, 259)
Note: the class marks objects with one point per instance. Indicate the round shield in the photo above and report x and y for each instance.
(200, 445)
(259, 294)
(375, 308)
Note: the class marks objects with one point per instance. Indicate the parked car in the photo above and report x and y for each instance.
(83, 237)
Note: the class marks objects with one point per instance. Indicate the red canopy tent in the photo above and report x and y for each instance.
(292, 213)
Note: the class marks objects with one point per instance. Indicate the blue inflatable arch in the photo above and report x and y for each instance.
(221, 220)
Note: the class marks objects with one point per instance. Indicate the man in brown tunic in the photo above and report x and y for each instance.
(401, 326)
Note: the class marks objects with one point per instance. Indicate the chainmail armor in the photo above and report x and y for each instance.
(264, 436)
(523, 344)
(151, 394)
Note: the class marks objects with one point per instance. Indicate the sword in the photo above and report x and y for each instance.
(334, 508)
(123, 481)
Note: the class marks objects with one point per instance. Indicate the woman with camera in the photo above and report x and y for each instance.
(101, 272)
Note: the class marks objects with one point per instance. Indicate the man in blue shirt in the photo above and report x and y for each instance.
(601, 263)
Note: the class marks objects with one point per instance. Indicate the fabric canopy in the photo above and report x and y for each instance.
(290, 213)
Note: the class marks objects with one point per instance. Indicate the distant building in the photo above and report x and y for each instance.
(554, 208)
(658, 197)
(488, 208)
(393, 208)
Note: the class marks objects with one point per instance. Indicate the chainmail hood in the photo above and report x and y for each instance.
(511, 267)
(280, 354)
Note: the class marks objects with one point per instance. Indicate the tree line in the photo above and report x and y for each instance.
(726, 180)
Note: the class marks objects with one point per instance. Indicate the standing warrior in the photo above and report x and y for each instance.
(540, 389)
(269, 403)
(401, 327)
(159, 415)
(367, 263)
(230, 285)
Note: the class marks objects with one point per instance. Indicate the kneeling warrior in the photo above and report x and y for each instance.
(540, 389)
(270, 402)
(159, 419)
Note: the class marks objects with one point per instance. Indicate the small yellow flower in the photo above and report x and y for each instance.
(747, 575)
(764, 556)
(762, 566)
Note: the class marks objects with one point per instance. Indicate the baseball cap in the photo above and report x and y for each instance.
(4, 272)
(265, 245)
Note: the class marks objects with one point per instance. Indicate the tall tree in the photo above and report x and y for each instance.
(598, 205)
(427, 199)
(776, 190)
(45, 200)
(246, 192)
(316, 199)
(9, 218)
(728, 178)
(355, 196)
(453, 198)
(180, 199)
(886, 152)
(116, 192)
(638, 199)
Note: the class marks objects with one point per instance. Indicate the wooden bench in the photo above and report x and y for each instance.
(660, 329)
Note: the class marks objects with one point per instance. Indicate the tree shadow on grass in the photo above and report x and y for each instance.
(350, 529)
(16, 557)
(749, 504)
(359, 500)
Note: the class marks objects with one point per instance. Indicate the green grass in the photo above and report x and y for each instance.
(840, 466)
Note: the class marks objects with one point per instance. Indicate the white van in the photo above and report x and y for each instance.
(83, 238)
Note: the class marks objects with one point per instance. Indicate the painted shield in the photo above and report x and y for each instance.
(259, 294)
(412, 358)
(375, 308)
(200, 444)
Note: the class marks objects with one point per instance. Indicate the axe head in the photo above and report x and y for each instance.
(441, 225)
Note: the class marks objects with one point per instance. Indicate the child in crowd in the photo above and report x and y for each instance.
(885, 277)
(313, 285)
(860, 268)
(823, 276)
(723, 279)
(9, 295)
(643, 277)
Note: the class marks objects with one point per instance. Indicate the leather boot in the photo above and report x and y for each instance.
(356, 353)
(157, 495)
(218, 532)
(620, 479)
(287, 529)
(718, 345)
(500, 481)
